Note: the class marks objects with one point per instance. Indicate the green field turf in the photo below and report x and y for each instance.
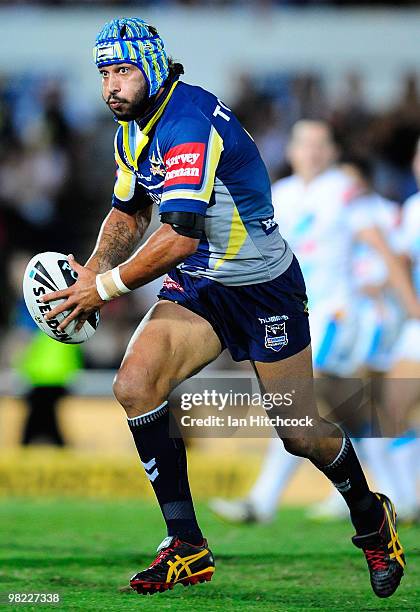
(86, 550)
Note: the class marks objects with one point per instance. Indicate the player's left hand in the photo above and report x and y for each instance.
(81, 299)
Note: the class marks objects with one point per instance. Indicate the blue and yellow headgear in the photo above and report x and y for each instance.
(133, 41)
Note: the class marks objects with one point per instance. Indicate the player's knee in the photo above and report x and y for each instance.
(124, 391)
(138, 392)
(301, 447)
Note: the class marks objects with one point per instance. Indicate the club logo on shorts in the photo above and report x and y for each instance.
(184, 164)
(276, 336)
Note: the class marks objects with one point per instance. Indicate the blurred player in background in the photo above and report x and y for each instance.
(232, 282)
(323, 213)
(380, 316)
(373, 270)
(402, 389)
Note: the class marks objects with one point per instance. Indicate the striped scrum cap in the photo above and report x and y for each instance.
(132, 40)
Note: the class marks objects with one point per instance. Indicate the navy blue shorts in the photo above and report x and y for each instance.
(263, 322)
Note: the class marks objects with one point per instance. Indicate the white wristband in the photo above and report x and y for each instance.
(101, 289)
(117, 280)
(110, 285)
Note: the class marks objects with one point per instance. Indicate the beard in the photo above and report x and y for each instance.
(129, 110)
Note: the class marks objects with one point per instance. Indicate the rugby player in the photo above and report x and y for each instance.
(380, 314)
(230, 275)
(402, 388)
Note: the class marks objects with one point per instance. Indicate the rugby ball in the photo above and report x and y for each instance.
(45, 273)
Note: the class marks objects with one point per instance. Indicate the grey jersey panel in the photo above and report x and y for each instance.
(241, 253)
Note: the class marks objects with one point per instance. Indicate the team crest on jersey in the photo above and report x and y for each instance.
(276, 336)
(157, 167)
(184, 164)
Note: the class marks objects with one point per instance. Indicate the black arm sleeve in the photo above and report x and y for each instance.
(185, 223)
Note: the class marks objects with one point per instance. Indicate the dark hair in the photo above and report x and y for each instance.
(363, 165)
(175, 69)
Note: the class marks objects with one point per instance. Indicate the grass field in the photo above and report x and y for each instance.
(86, 550)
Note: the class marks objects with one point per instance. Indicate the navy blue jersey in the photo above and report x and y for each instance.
(193, 155)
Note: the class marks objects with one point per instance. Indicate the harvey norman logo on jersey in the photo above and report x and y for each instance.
(184, 164)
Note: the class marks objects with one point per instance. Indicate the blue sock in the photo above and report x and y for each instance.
(165, 462)
(346, 474)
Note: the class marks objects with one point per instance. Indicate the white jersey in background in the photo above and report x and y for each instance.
(317, 221)
(408, 344)
(368, 266)
(313, 219)
(380, 317)
(409, 235)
